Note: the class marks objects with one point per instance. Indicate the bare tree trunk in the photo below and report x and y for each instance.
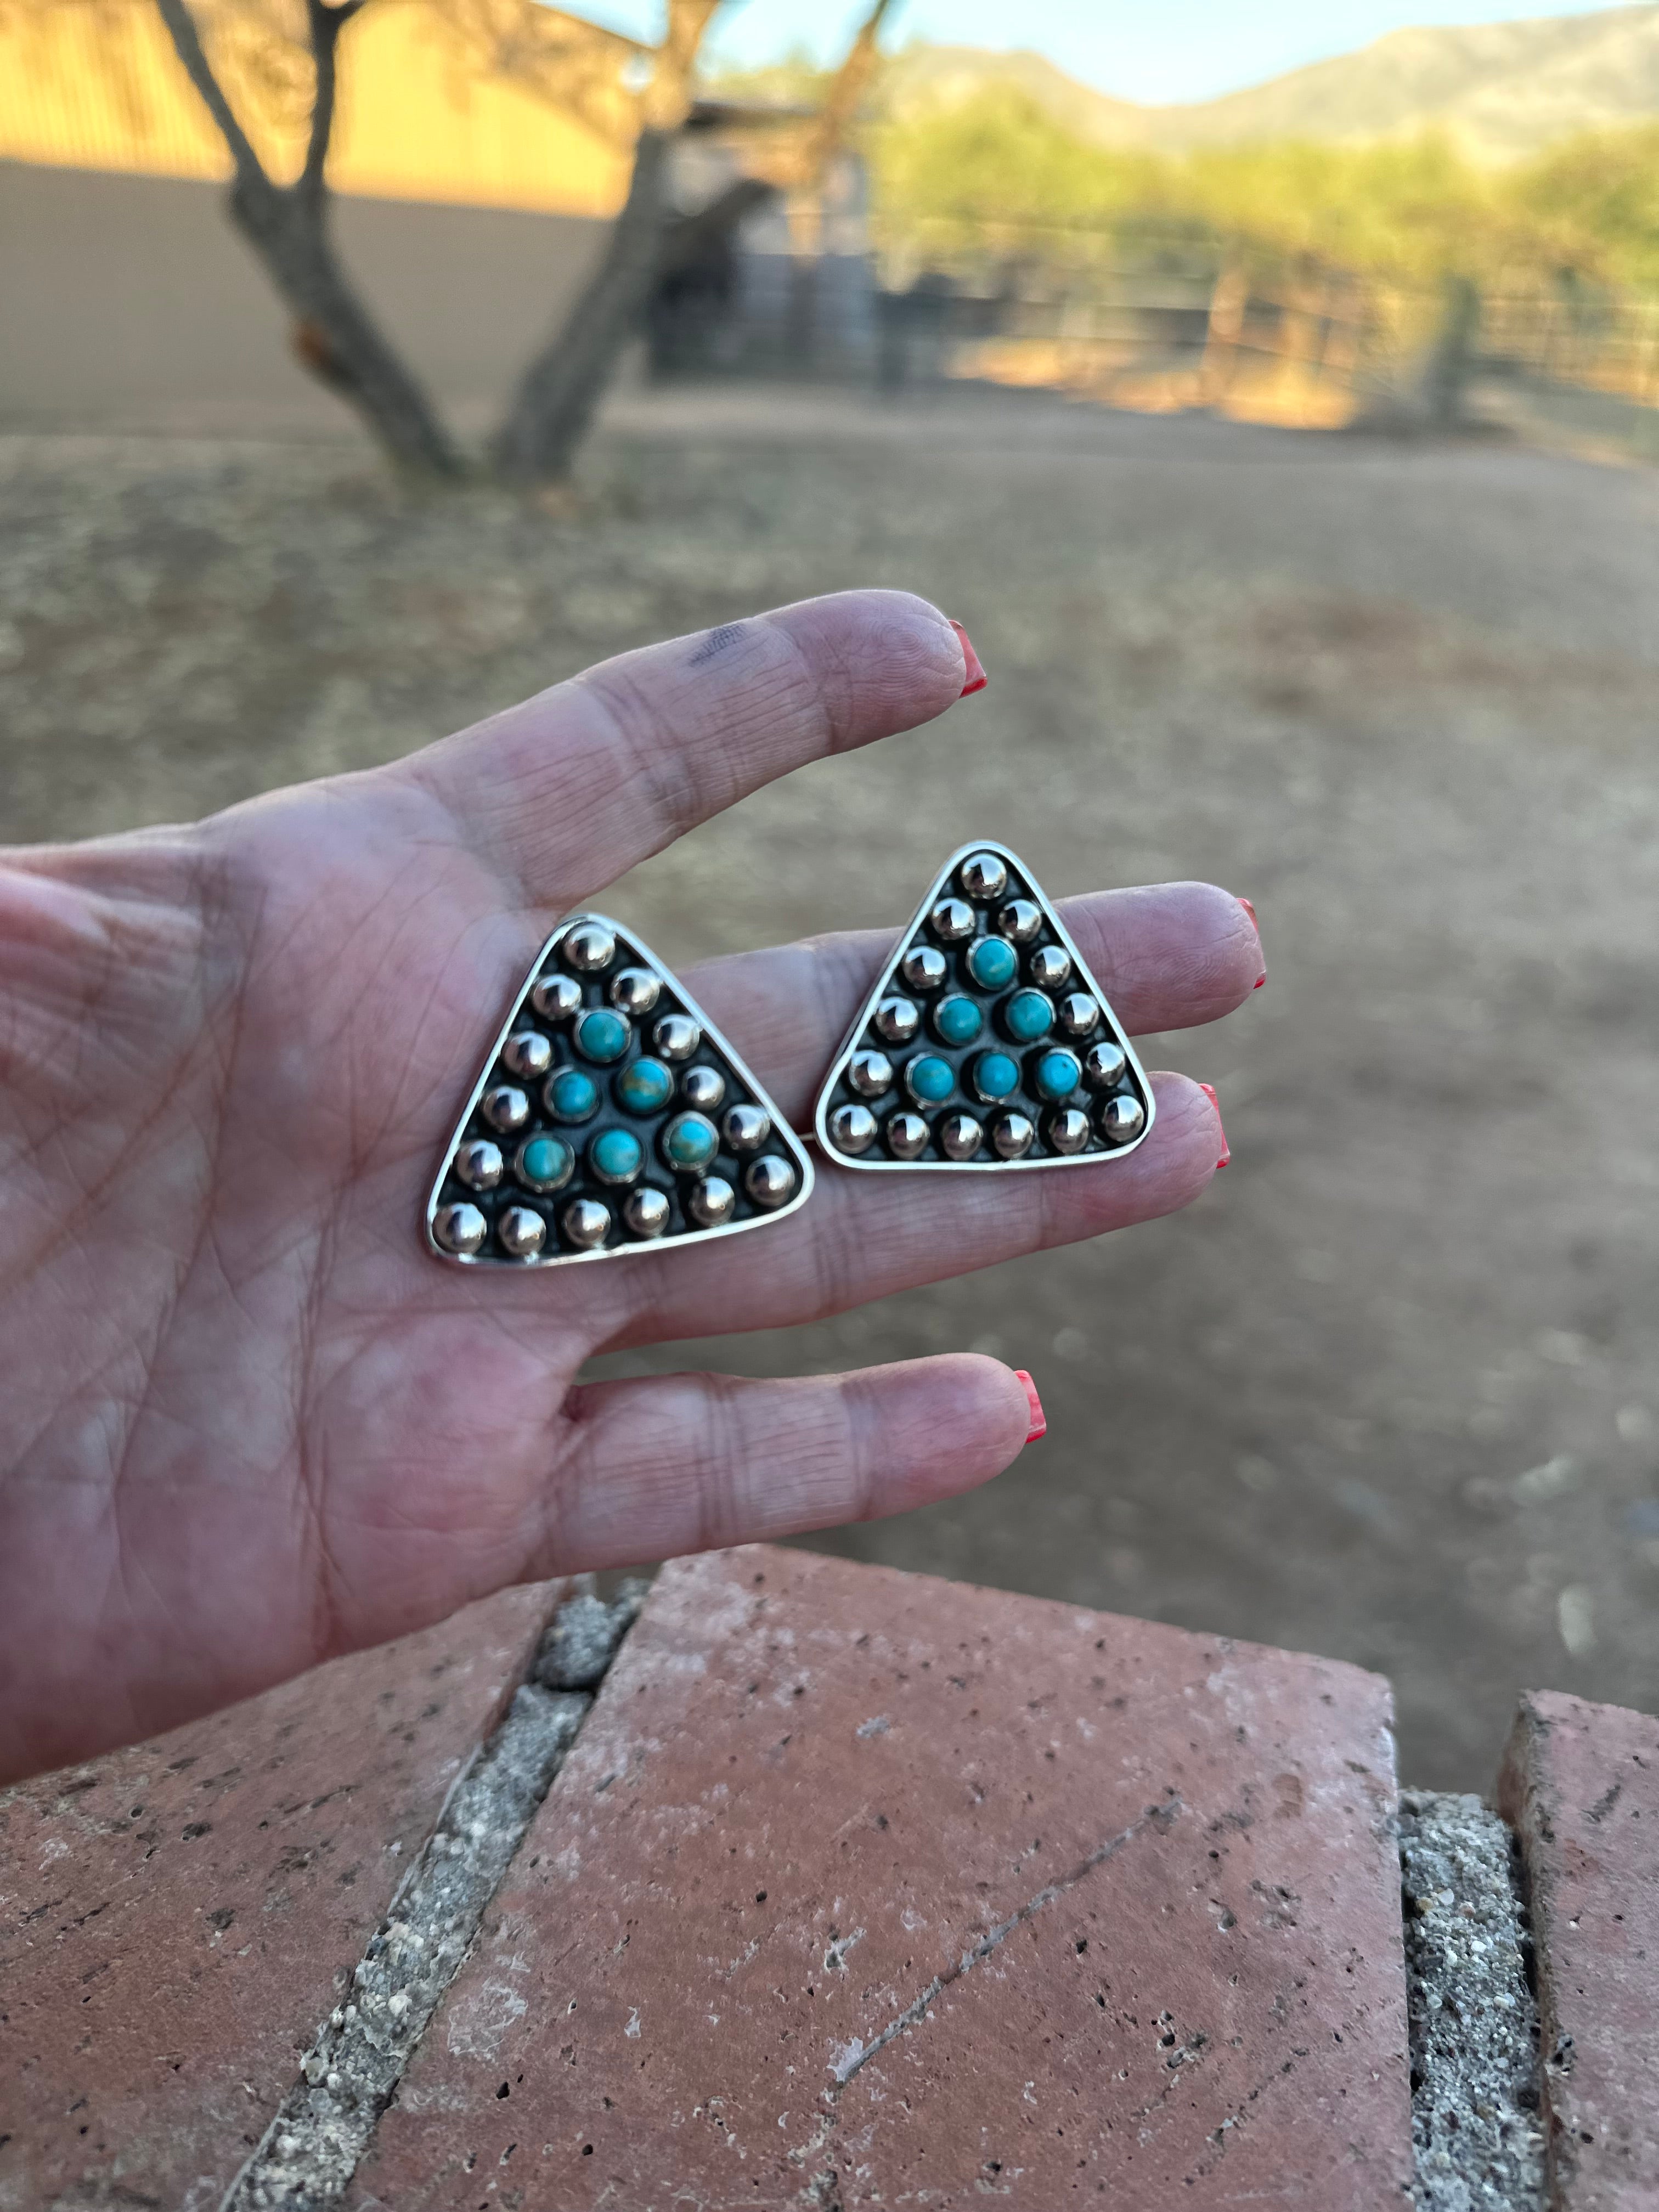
(563, 384)
(288, 228)
(334, 334)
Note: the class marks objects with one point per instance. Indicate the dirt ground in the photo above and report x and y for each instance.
(1390, 1391)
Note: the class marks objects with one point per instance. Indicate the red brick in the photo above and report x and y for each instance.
(1580, 1785)
(808, 1789)
(178, 1918)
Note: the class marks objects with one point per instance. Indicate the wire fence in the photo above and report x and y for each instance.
(1178, 320)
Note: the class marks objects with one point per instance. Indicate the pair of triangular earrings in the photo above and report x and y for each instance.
(613, 1117)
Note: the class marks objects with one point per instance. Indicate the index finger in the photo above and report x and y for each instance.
(578, 784)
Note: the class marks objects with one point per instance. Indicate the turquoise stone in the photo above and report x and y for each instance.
(993, 962)
(571, 1096)
(1057, 1074)
(958, 1020)
(616, 1156)
(1028, 1016)
(602, 1035)
(645, 1088)
(995, 1076)
(546, 1163)
(930, 1079)
(690, 1142)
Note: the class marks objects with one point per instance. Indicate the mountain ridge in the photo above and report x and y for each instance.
(1501, 91)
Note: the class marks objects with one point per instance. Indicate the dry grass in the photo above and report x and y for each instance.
(1402, 697)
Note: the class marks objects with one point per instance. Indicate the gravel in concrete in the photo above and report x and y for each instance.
(1473, 2018)
(310, 2151)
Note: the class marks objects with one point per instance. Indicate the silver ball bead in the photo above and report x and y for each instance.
(586, 1222)
(711, 1201)
(852, 1130)
(960, 1136)
(897, 1020)
(646, 1211)
(704, 1088)
(1123, 1118)
(588, 949)
(1103, 1065)
(746, 1128)
(952, 921)
(1011, 1136)
(770, 1180)
(1020, 919)
(870, 1073)
(459, 1228)
(923, 968)
(528, 1052)
(676, 1036)
(1068, 1130)
(983, 876)
(519, 1232)
(479, 1164)
(906, 1136)
(505, 1108)
(1050, 967)
(555, 997)
(1079, 1013)
(635, 990)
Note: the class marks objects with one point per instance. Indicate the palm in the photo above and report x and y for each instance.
(249, 1423)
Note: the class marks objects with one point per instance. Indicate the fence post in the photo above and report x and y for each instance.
(1452, 356)
(1228, 304)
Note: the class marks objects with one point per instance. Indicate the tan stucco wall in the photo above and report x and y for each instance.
(100, 87)
(129, 303)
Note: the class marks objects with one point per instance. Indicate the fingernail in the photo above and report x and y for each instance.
(977, 679)
(1208, 1089)
(1255, 926)
(1039, 1419)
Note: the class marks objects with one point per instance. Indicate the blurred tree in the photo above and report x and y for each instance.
(276, 50)
(1592, 202)
(555, 400)
(995, 175)
(267, 73)
(803, 173)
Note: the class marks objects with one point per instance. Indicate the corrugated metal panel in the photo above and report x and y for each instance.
(99, 86)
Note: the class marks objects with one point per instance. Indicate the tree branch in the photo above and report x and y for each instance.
(844, 96)
(324, 24)
(187, 44)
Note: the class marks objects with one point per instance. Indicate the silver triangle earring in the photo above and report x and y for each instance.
(610, 1117)
(986, 1043)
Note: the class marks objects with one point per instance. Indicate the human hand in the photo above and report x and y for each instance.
(248, 1422)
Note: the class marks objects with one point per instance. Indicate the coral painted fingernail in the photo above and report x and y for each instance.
(1208, 1089)
(1255, 926)
(977, 679)
(1039, 1419)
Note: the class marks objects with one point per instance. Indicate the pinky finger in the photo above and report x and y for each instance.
(677, 1463)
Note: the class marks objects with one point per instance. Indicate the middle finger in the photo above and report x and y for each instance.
(1167, 956)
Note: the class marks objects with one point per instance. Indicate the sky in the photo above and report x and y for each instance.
(1153, 51)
